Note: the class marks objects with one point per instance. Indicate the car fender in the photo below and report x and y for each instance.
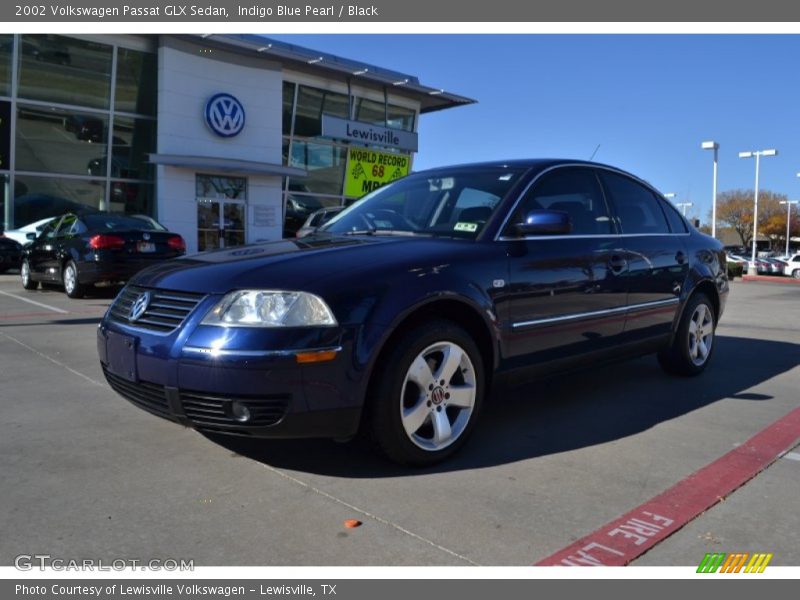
(373, 335)
(707, 268)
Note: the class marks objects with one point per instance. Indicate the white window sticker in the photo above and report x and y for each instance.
(471, 227)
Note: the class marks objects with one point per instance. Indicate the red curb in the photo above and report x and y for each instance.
(770, 279)
(634, 533)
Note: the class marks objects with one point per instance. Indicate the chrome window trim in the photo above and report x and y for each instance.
(499, 237)
(596, 313)
(584, 236)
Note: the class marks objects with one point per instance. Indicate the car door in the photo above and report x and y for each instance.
(656, 255)
(42, 251)
(566, 293)
(62, 240)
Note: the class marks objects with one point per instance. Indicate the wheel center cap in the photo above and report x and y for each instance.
(437, 396)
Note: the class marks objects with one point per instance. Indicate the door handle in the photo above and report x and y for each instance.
(617, 263)
(680, 257)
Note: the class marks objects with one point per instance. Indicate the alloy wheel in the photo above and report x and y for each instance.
(701, 334)
(438, 396)
(69, 279)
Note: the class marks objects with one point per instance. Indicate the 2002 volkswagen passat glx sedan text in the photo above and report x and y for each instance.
(397, 315)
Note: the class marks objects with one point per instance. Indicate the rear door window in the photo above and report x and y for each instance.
(676, 222)
(636, 206)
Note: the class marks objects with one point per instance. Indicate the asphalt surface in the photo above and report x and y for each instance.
(87, 475)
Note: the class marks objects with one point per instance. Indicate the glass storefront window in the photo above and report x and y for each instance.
(401, 118)
(215, 186)
(52, 140)
(133, 140)
(312, 103)
(41, 197)
(131, 198)
(299, 206)
(5, 135)
(325, 165)
(288, 105)
(55, 68)
(6, 53)
(285, 151)
(369, 111)
(136, 82)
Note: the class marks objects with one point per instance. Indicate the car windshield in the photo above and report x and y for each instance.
(457, 203)
(110, 222)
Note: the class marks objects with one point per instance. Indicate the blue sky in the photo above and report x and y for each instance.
(648, 100)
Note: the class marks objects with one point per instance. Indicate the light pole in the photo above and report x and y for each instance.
(751, 268)
(788, 204)
(683, 206)
(715, 147)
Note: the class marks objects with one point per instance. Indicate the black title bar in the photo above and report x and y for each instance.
(440, 11)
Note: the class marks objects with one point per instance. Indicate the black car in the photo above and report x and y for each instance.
(398, 314)
(10, 254)
(79, 250)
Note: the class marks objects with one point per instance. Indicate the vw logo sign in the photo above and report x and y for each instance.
(139, 306)
(224, 115)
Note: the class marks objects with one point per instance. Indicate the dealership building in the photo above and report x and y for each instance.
(225, 139)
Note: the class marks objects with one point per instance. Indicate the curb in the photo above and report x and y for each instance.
(770, 279)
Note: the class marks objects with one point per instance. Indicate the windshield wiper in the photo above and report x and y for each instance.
(397, 232)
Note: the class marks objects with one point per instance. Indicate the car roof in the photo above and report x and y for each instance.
(522, 163)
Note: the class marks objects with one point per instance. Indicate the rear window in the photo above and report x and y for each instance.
(117, 223)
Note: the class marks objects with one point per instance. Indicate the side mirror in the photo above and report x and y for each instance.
(30, 236)
(544, 222)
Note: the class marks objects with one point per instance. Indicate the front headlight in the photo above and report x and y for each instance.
(270, 308)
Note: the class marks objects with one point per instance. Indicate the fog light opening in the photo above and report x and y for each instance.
(240, 412)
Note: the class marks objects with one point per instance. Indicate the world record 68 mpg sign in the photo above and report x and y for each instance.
(368, 170)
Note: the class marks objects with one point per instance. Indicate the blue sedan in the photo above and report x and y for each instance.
(399, 314)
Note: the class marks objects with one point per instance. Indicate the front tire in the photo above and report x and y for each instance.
(796, 273)
(693, 343)
(428, 393)
(69, 278)
(25, 275)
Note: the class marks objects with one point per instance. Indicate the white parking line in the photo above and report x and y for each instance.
(792, 455)
(47, 306)
(51, 359)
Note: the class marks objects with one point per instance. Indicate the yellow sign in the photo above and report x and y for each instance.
(368, 170)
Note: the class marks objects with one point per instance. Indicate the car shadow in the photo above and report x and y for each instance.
(556, 415)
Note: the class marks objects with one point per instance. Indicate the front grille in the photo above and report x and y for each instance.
(214, 411)
(149, 396)
(166, 311)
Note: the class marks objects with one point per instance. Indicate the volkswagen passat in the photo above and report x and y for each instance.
(398, 314)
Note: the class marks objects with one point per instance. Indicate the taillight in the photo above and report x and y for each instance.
(176, 243)
(105, 241)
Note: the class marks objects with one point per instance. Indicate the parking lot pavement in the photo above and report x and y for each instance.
(88, 475)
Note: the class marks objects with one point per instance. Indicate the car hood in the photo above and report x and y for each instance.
(293, 264)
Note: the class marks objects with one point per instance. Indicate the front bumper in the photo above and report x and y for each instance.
(198, 375)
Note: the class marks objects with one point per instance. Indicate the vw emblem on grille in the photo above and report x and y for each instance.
(139, 306)
(224, 115)
(145, 236)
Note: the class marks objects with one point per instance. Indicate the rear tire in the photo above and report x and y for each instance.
(796, 273)
(25, 275)
(69, 277)
(693, 343)
(427, 395)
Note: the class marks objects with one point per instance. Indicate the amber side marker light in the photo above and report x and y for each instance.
(316, 357)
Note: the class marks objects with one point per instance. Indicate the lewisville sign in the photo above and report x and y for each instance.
(366, 134)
